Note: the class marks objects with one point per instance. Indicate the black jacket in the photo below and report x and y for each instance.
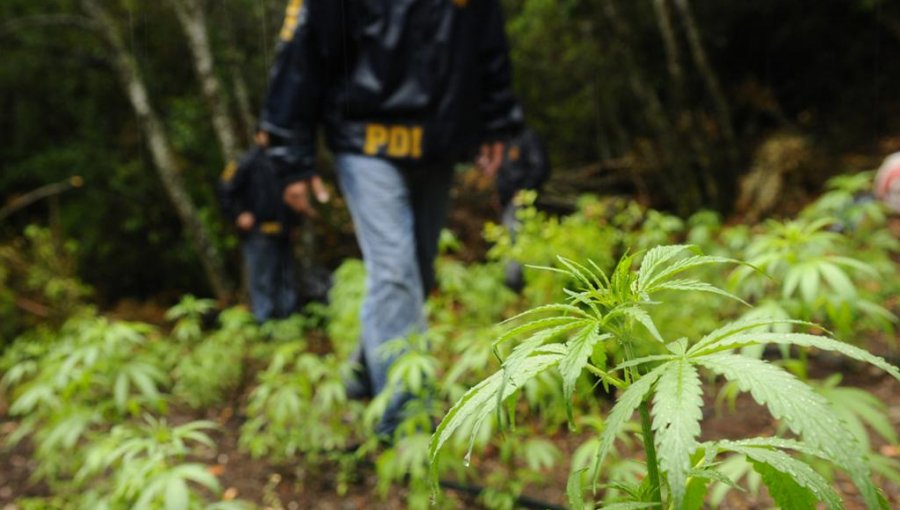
(413, 81)
(525, 165)
(252, 185)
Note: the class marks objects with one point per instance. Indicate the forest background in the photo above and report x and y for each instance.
(133, 108)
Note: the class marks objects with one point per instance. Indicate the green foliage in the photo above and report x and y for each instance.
(188, 314)
(71, 386)
(542, 237)
(816, 275)
(89, 393)
(143, 467)
(613, 308)
(38, 284)
(344, 304)
(214, 365)
(298, 407)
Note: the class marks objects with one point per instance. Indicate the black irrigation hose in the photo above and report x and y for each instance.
(475, 490)
(521, 501)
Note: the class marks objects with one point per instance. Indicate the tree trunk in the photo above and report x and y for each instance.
(673, 168)
(698, 54)
(193, 22)
(673, 57)
(243, 102)
(163, 157)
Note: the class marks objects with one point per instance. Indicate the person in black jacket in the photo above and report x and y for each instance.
(404, 90)
(250, 196)
(525, 166)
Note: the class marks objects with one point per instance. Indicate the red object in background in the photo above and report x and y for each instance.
(887, 182)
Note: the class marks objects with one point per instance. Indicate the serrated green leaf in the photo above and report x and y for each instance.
(856, 264)
(804, 411)
(643, 318)
(579, 349)
(695, 493)
(809, 282)
(537, 325)
(801, 339)
(698, 286)
(540, 454)
(784, 490)
(643, 360)
(555, 307)
(888, 467)
(120, 391)
(654, 260)
(732, 329)
(791, 282)
(653, 283)
(773, 442)
(838, 280)
(575, 490)
(857, 406)
(480, 401)
(621, 413)
(579, 272)
(677, 411)
(199, 474)
(797, 471)
(176, 495)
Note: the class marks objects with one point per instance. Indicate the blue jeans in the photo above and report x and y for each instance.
(270, 268)
(398, 215)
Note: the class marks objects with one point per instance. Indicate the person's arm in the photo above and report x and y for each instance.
(500, 110)
(290, 112)
(231, 190)
(538, 160)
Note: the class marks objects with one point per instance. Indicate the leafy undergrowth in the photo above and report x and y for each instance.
(101, 413)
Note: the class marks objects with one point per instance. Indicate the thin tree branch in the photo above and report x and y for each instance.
(33, 196)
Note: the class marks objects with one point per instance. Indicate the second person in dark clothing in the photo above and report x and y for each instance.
(525, 167)
(250, 195)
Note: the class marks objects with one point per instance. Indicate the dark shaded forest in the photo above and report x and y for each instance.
(667, 101)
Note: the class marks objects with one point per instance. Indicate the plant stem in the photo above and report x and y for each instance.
(650, 449)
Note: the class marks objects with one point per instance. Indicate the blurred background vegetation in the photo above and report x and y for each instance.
(744, 107)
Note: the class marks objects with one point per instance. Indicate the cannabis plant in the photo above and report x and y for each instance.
(808, 274)
(188, 316)
(299, 406)
(144, 466)
(205, 371)
(664, 387)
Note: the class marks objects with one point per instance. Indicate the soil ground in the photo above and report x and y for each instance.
(291, 487)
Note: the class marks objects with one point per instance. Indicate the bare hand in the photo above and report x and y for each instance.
(261, 138)
(245, 221)
(490, 158)
(296, 195)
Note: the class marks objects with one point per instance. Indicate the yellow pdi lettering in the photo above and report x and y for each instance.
(416, 142)
(376, 139)
(229, 171)
(291, 19)
(393, 141)
(398, 147)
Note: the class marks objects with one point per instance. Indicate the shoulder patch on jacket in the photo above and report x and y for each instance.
(291, 19)
(229, 171)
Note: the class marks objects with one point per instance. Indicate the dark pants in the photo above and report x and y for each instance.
(513, 270)
(270, 268)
